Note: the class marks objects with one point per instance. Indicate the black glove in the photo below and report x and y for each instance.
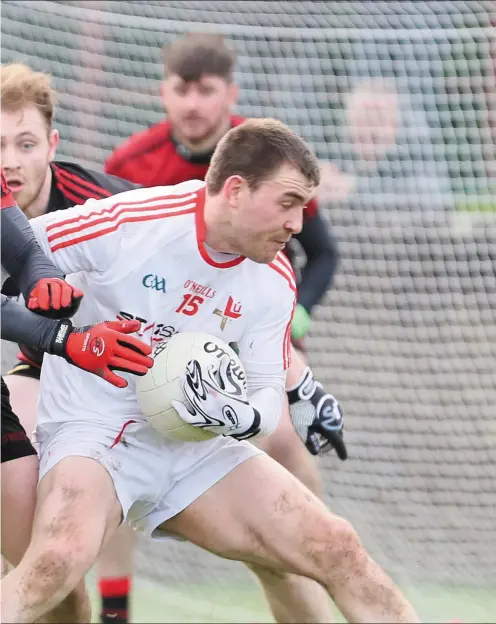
(317, 417)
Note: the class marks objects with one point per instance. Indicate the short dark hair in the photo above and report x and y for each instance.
(255, 150)
(199, 53)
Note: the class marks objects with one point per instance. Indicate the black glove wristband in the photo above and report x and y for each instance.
(305, 388)
(253, 430)
(62, 332)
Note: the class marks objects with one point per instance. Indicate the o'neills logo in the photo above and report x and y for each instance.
(199, 289)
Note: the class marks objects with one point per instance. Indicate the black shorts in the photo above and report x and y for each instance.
(25, 369)
(15, 442)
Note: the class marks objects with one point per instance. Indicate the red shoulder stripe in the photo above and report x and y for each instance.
(74, 198)
(281, 256)
(175, 201)
(114, 224)
(86, 188)
(287, 273)
(287, 346)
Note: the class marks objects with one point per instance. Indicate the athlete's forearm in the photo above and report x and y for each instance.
(268, 402)
(23, 326)
(22, 256)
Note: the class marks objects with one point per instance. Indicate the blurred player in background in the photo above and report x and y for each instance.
(40, 185)
(49, 297)
(199, 95)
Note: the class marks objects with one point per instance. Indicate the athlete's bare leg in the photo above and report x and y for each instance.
(19, 481)
(65, 540)
(294, 598)
(261, 514)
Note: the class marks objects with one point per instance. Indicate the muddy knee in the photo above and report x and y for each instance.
(60, 557)
(341, 556)
(49, 570)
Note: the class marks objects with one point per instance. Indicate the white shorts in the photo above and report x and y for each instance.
(154, 478)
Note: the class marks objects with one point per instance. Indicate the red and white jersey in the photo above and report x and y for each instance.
(141, 255)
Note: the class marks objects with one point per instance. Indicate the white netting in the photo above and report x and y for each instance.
(407, 337)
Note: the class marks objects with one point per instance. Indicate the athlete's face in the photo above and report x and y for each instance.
(27, 149)
(198, 109)
(263, 220)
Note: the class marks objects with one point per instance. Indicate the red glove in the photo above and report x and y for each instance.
(103, 348)
(7, 199)
(54, 297)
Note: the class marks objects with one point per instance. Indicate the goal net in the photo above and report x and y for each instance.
(400, 98)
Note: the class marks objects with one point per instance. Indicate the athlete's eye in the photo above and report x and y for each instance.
(27, 146)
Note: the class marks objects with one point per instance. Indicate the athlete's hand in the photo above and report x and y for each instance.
(216, 401)
(326, 430)
(55, 298)
(301, 323)
(317, 417)
(103, 348)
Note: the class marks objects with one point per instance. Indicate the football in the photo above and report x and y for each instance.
(162, 384)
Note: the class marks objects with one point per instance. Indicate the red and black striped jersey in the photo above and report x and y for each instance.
(73, 185)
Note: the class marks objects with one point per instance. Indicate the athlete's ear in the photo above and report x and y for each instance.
(233, 188)
(53, 141)
(164, 92)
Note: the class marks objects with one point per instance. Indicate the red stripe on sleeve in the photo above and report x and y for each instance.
(74, 198)
(290, 280)
(176, 202)
(82, 183)
(113, 228)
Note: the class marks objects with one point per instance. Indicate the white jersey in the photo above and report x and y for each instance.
(141, 255)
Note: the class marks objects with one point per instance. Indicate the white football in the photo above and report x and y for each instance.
(162, 384)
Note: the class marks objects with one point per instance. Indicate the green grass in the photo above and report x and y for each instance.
(154, 604)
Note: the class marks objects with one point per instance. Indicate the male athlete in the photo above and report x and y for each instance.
(47, 294)
(199, 95)
(98, 453)
(41, 185)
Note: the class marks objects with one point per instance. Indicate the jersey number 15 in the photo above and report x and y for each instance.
(190, 304)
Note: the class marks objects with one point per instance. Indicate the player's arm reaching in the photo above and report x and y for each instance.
(100, 349)
(40, 281)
